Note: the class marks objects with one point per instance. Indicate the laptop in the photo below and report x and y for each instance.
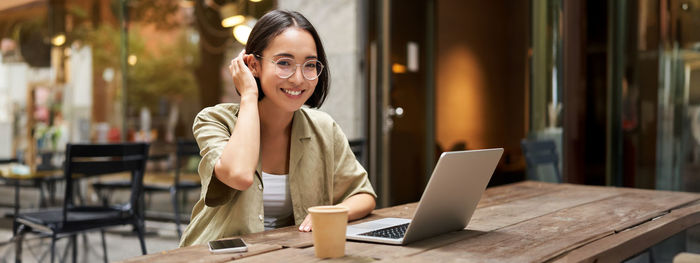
(448, 202)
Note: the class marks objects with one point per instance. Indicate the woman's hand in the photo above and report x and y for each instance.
(306, 225)
(242, 77)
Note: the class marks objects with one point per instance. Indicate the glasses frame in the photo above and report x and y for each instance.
(296, 67)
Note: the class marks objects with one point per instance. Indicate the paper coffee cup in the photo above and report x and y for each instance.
(328, 225)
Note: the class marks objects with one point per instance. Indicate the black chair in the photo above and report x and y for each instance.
(357, 147)
(8, 160)
(184, 150)
(86, 161)
(539, 153)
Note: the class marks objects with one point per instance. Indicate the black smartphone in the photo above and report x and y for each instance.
(228, 246)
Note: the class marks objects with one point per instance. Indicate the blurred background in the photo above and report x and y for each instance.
(614, 86)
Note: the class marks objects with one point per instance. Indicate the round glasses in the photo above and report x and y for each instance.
(286, 67)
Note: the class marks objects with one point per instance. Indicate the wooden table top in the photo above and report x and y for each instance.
(6, 172)
(522, 222)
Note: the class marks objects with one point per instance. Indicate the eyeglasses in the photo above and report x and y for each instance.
(286, 67)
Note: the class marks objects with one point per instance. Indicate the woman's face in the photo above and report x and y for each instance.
(288, 94)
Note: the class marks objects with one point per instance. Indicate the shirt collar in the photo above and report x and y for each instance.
(301, 134)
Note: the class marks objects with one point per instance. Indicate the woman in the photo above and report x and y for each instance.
(266, 160)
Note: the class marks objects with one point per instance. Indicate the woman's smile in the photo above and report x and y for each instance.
(292, 93)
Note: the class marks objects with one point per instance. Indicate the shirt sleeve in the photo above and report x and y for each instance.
(349, 176)
(211, 131)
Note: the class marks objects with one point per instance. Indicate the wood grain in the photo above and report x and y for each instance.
(548, 236)
(294, 255)
(518, 191)
(497, 216)
(201, 253)
(634, 240)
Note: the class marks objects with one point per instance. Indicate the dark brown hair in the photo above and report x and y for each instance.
(274, 23)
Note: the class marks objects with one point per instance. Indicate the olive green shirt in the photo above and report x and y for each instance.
(322, 171)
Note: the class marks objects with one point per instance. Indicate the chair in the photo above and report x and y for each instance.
(9, 160)
(540, 153)
(357, 147)
(184, 150)
(85, 161)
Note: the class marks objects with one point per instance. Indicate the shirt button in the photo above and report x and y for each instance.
(261, 217)
(260, 186)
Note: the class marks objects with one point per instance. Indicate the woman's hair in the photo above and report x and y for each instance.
(270, 26)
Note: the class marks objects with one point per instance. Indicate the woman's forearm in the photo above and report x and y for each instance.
(359, 205)
(239, 159)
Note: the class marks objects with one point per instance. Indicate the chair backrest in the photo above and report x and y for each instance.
(539, 153)
(357, 147)
(8, 160)
(87, 160)
(184, 150)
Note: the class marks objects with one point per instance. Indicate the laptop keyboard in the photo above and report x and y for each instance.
(393, 232)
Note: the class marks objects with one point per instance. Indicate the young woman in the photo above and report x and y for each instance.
(266, 160)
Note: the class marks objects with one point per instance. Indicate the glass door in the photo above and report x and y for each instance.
(678, 155)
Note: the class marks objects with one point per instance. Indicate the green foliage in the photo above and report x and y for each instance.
(166, 74)
(169, 73)
(160, 13)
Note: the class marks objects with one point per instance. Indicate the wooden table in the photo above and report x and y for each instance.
(521, 222)
(35, 179)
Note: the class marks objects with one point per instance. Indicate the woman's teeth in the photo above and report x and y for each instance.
(292, 92)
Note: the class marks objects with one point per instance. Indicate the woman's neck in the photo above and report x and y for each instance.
(273, 120)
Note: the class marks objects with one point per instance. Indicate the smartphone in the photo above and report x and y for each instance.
(227, 246)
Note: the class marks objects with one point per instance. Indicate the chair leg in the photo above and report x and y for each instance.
(42, 195)
(74, 240)
(176, 211)
(66, 251)
(53, 246)
(51, 186)
(140, 229)
(19, 235)
(104, 245)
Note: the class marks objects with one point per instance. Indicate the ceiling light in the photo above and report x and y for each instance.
(132, 60)
(232, 21)
(241, 33)
(231, 15)
(398, 68)
(58, 40)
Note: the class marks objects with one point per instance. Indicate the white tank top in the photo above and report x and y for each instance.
(277, 201)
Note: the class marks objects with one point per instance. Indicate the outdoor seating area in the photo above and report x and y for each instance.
(42, 225)
(349, 130)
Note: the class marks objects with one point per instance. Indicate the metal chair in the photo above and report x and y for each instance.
(539, 153)
(85, 161)
(185, 150)
(357, 147)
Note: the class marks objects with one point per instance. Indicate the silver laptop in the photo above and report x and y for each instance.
(448, 202)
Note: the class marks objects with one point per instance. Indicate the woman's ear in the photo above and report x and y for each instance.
(254, 67)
